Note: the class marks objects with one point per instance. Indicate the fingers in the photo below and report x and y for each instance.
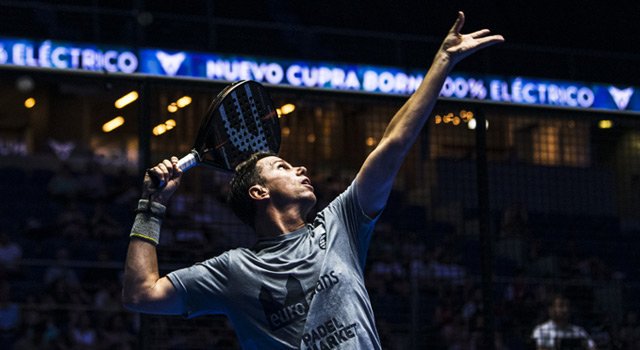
(481, 37)
(457, 27)
(176, 170)
(162, 171)
(489, 40)
(166, 170)
(479, 33)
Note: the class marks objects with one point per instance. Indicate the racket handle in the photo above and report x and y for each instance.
(185, 163)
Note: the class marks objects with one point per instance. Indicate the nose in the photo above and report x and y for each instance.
(301, 170)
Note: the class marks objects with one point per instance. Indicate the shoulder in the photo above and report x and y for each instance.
(218, 261)
(237, 253)
(544, 326)
(346, 201)
(578, 330)
(229, 255)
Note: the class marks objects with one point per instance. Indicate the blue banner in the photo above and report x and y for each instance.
(318, 75)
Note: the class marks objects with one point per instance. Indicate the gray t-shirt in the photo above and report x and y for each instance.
(302, 290)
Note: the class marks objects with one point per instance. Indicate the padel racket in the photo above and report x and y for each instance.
(240, 121)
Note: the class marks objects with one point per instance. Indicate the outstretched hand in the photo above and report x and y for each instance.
(458, 46)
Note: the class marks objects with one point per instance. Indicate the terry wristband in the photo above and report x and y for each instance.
(149, 217)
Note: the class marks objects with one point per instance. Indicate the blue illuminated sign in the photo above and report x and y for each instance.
(319, 75)
(48, 54)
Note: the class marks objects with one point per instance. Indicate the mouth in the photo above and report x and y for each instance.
(307, 182)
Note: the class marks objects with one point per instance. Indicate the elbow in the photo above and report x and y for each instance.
(393, 149)
(396, 143)
(131, 301)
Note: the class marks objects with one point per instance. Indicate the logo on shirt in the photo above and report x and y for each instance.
(295, 306)
(328, 335)
(322, 239)
(325, 282)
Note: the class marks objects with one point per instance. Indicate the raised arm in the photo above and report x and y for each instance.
(376, 176)
(143, 289)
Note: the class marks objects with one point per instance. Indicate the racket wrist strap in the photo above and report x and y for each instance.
(149, 216)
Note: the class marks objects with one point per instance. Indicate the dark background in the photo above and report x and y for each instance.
(574, 40)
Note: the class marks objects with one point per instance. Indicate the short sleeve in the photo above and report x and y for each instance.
(203, 286)
(346, 209)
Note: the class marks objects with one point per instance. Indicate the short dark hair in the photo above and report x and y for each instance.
(247, 174)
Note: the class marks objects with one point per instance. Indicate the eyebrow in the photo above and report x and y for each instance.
(279, 160)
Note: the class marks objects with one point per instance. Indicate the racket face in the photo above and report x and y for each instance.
(242, 120)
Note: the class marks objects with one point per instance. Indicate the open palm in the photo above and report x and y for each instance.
(459, 46)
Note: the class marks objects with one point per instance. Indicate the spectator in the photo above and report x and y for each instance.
(93, 182)
(61, 271)
(444, 267)
(420, 270)
(413, 249)
(102, 274)
(10, 256)
(63, 186)
(387, 268)
(9, 316)
(104, 226)
(72, 222)
(107, 302)
(124, 190)
(515, 221)
(116, 335)
(551, 334)
(81, 333)
(35, 338)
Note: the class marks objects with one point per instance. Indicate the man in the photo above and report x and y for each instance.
(558, 333)
(302, 285)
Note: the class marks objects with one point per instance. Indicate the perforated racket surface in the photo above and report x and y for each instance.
(240, 121)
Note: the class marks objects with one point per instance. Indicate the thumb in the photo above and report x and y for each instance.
(457, 26)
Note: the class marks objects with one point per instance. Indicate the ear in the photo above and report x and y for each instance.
(258, 192)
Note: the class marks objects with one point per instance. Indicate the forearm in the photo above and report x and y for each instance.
(143, 289)
(381, 166)
(407, 123)
(140, 273)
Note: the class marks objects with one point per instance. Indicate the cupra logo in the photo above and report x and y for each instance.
(621, 97)
(170, 63)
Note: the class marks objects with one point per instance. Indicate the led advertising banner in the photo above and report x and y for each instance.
(318, 75)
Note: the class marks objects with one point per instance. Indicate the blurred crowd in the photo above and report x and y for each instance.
(61, 271)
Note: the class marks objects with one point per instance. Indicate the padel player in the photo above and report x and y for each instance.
(302, 285)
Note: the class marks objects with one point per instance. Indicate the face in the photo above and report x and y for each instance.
(559, 311)
(285, 183)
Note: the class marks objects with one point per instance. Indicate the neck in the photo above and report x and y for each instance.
(272, 222)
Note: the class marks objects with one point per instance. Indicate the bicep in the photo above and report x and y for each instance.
(163, 298)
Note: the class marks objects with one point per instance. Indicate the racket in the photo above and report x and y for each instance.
(240, 121)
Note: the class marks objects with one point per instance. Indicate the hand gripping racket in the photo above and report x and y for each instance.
(240, 121)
